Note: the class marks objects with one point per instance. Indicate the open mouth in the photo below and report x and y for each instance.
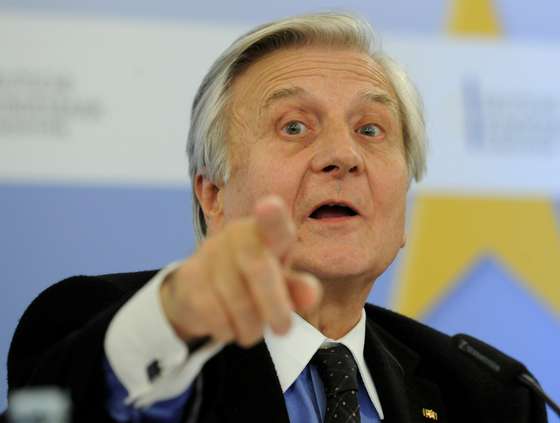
(331, 211)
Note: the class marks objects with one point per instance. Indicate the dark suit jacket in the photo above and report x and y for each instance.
(59, 340)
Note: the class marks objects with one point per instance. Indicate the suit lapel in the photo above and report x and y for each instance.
(388, 376)
(405, 397)
(254, 392)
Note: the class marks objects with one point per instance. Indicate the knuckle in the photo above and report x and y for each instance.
(219, 323)
(220, 332)
(243, 307)
(243, 342)
(255, 266)
(219, 319)
(261, 268)
(194, 330)
(224, 338)
(250, 338)
(253, 327)
(198, 301)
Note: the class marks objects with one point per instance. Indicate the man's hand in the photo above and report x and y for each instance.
(240, 281)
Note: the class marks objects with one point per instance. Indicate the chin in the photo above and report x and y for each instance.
(339, 264)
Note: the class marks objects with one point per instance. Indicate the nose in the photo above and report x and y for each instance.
(337, 155)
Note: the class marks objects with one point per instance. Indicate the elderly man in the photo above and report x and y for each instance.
(304, 140)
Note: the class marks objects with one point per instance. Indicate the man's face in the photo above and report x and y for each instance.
(320, 128)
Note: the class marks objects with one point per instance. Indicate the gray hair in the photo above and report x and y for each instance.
(207, 147)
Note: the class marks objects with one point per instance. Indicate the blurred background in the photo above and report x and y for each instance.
(94, 106)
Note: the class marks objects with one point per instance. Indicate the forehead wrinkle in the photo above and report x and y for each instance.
(364, 67)
(319, 69)
(278, 71)
(274, 91)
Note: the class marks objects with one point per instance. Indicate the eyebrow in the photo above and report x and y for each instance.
(380, 97)
(283, 93)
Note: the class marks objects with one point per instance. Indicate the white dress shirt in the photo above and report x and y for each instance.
(292, 352)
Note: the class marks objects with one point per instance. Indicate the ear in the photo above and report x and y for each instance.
(211, 201)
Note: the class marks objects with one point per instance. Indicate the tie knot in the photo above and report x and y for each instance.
(337, 369)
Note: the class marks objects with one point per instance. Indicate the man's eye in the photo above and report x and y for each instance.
(294, 127)
(370, 130)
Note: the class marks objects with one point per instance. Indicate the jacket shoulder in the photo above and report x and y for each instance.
(416, 335)
(63, 309)
(465, 380)
(429, 342)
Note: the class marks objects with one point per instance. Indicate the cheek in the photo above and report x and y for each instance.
(389, 183)
(240, 192)
(257, 178)
(271, 172)
(271, 175)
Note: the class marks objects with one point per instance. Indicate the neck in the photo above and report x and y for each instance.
(340, 308)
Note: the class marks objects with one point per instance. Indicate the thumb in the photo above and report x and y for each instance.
(305, 290)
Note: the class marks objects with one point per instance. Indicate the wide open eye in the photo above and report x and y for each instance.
(370, 130)
(294, 127)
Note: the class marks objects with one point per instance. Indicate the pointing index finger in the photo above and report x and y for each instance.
(274, 224)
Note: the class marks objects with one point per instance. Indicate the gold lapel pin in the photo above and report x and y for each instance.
(429, 414)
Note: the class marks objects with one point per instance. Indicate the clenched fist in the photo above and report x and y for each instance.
(240, 281)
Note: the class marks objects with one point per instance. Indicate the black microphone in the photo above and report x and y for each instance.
(504, 367)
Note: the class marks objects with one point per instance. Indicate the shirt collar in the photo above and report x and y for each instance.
(292, 352)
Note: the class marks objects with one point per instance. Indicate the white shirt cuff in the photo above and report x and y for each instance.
(148, 357)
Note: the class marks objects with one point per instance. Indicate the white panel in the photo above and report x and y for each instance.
(493, 113)
(87, 100)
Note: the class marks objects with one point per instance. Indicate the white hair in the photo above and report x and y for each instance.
(207, 145)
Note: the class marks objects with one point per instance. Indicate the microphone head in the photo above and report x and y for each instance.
(46, 404)
(505, 368)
